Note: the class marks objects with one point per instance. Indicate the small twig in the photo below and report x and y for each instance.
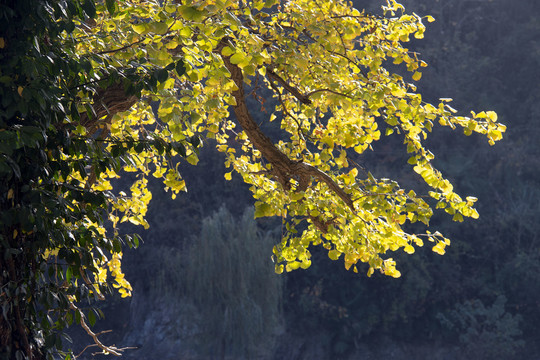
(86, 347)
(322, 176)
(301, 134)
(17, 312)
(120, 49)
(338, 54)
(358, 166)
(330, 91)
(103, 332)
(106, 349)
(294, 91)
(303, 98)
(262, 172)
(320, 224)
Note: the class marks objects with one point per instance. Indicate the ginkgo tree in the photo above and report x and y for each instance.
(136, 86)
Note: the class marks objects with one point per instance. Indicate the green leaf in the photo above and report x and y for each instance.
(50, 341)
(89, 8)
(262, 210)
(191, 13)
(180, 68)
(334, 254)
(161, 75)
(195, 141)
(117, 245)
(237, 58)
(160, 28)
(179, 148)
(74, 112)
(136, 239)
(91, 318)
(140, 28)
(227, 51)
(139, 148)
(111, 6)
(69, 273)
(58, 342)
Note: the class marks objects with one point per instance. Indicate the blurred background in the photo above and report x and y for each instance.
(205, 287)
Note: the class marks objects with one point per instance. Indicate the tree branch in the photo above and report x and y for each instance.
(330, 91)
(283, 168)
(23, 337)
(106, 349)
(300, 131)
(308, 170)
(294, 91)
(122, 48)
(107, 102)
(303, 98)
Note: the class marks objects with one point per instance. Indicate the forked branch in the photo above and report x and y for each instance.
(106, 349)
(283, 168)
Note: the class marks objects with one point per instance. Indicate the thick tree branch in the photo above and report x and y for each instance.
(273, 76)
(113, 99)
(106, 103)
(283, 168)
(23, 336)
(304, 169)
(322, 225)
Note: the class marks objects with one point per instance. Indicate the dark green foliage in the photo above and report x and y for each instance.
(484, 332)
(42, 207)
(33, 213)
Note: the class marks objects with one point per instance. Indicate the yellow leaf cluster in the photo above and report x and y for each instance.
(334, 99)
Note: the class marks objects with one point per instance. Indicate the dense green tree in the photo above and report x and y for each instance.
(91, 90)
(239, 295)
(56, 252)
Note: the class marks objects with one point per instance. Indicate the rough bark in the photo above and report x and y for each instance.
(106, 103)
(283, 168)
